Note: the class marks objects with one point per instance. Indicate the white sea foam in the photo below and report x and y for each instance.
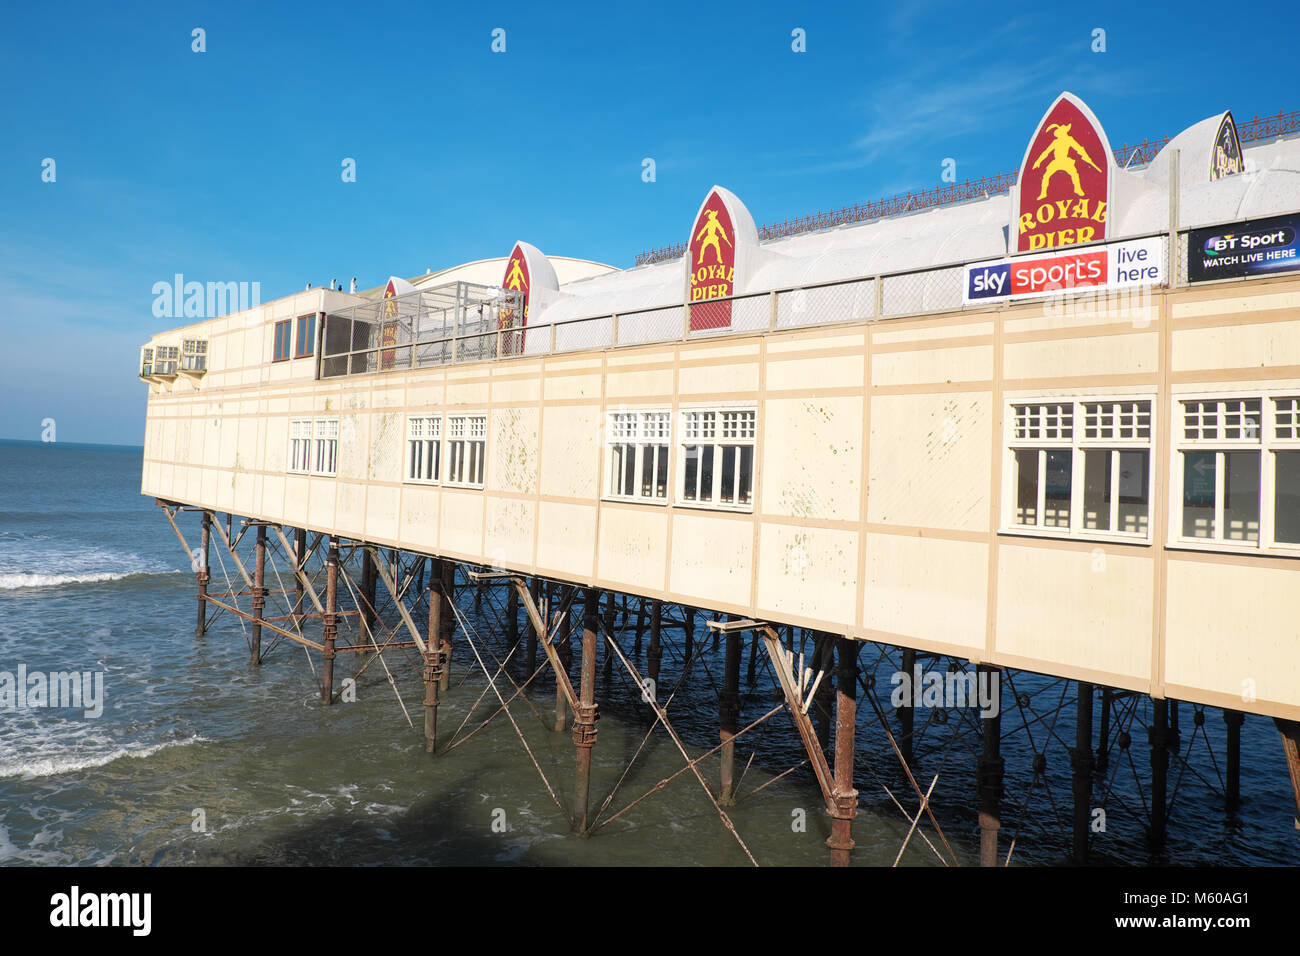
(13, 581)
(33, 766)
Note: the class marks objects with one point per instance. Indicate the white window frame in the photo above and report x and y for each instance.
(300, 446)
(640, 429)
(729, 429)
(465, 438)
(423, 448)
(166, 359)
(1119, 435)
(325, 447)
(194, 355)
(1265, 441)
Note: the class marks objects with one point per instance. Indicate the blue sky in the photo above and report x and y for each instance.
(225, 165)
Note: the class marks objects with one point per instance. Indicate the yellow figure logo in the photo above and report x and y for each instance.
(1060, 146)
(515, 276)
(710, 233)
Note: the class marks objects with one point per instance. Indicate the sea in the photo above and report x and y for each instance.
(201, 757)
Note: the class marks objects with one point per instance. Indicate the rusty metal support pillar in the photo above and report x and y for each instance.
(1290, 731)
(259, 594)
(1082, 763)
(1158, 736)
(299, 564)
(330, 630)
(845, 798)
(989, 774)
(1232, 783)
(202, 575)
(655, 652)
(448, 620)
(907, 713)
(729, 717)
(584, 722)
(432, 665)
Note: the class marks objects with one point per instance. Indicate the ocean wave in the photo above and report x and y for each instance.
(15, 580)
(52, 766)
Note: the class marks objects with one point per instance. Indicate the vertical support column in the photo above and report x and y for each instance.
(1158, 736)
(1081, 762)
(1103, 733)
(688, 628)
(202, 576)
(728, 717)
(640, 625)
(448, 620)
(1232, 783)
(259, 594)
(433, 662)
(565, 653)
(654, 653)
(369, 580)
(1290, 731)
(845, 798)
(907, 713)
(330, 630)
(535, 590)
(989, 774)
(299, 564)
(512, 614)
(752, 670)
(610, 609)
(825, 658)
(584, 723)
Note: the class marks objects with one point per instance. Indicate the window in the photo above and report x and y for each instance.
(300, 445)
(466, 445)
(194, 355)
(1239, 459)
(637, 444)
(718, 457)
(1080, 467)
(327, 446)
(423, 447)
(282, 342)
(306, 336)
(167, 357)
(146, 362)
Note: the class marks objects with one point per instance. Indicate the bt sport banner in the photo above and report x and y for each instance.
(1252, 248)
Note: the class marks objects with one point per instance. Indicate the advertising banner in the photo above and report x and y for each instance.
(1255, 247)
(1117, 265)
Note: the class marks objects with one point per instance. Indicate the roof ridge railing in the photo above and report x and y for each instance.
(1259, 128)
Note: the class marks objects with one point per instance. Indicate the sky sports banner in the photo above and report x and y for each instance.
(1113, 266)
(1252, 248)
